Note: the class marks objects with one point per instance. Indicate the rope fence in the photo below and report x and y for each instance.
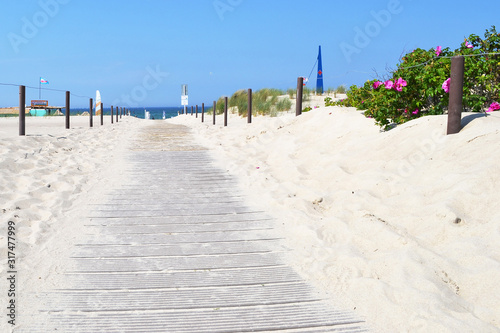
(455, 106)
(67, 108)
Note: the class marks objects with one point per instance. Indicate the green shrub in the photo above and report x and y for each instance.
(416, 88)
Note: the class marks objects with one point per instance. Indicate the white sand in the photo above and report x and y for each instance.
(370, 217)
(46, 180)
(400, 226)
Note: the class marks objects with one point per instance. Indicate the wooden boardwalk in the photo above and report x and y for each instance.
(177, 249)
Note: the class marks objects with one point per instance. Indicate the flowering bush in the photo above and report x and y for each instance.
(446, 85)
(494, 106)
(421, 83)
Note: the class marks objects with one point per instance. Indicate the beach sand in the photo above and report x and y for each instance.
(400, 226)
(47, 178)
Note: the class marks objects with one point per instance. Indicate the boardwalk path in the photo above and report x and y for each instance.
(176, 249)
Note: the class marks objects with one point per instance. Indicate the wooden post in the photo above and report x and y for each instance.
(117, 114)
(67, 110)
(112, 113)
(202, 112)
(191, 110)
(455, 106)
(225, 111)
(121, 112)
(91, 115)
(300, 89)
(249, 107)
(215, 108)
(22, 110)
(196, 110)
(102, 115)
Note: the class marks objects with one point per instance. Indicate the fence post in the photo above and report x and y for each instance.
(22, 110)
(116, 114)
(300, 88)
(112, 113)
(192, 109)
(456, 95)
(196, 110)
(121, 112)
(215, 110)
(202, 112)
(249, 107)
(67, 110)
(91, 116)
(102, 115)
(225, 111)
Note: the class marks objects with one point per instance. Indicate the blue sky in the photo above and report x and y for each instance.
(138, 53)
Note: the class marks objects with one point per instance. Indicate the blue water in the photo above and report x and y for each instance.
(156, 112)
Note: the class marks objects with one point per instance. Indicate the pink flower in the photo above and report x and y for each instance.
(415, 112)
(406, 110)
(446, 85)
(400, 83)
(438, 50)
(469, 45)
(388, 84)
(377, 84)
(494, 106)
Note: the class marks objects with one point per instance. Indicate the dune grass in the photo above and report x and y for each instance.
(267, 101)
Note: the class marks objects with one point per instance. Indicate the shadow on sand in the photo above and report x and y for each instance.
(468, 119)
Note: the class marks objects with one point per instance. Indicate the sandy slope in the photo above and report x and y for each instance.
(46, 180)
(402, 226)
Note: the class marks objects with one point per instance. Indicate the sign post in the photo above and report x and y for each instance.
(184, 97)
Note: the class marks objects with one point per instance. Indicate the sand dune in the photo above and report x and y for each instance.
(401, 226)
(44, 179)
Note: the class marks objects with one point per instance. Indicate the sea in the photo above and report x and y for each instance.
(155, 112)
